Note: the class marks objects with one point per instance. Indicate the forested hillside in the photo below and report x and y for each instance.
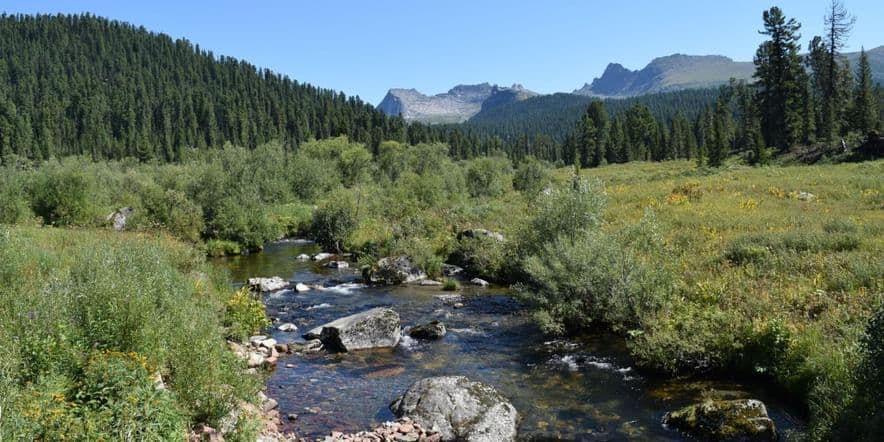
(88, 85)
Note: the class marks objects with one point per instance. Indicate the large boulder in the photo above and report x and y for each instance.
(268, 284)
(120, 217)
(375, 328)
(724, 420)
(396, 270)
(460, 409)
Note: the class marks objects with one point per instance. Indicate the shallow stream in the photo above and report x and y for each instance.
(563, 389)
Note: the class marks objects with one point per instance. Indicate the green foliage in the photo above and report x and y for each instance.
(334, 221)
(175, 212)
(220, 247)
(531, 176)
(489, 176)
(90, 318)
(62, 197)
(567, 211)
(245, 315)
(14, 205)
(484, 256)
(863, 419)
(451, 285)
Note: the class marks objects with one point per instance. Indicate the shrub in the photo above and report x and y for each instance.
(566, 211)
(531, 176)
(488, 176)
(863, 419)
(334, 221)
(451, 285)
(174, 211)
(245, 315)
(14, 205)
(482, 256)
(62, 197)
(311, 178)
(242, 219)
(220, 247)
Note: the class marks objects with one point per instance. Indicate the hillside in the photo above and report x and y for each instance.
(555, 115)
(455, 106)
(86, 85)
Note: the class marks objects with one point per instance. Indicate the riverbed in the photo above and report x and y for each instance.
(564, 389)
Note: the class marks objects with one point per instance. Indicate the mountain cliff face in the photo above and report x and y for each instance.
(667, 74)
(455, 106)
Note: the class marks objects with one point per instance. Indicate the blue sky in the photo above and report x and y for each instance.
(366, 47)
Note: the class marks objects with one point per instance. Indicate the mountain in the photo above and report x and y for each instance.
(455, 106)
(666, 74)
(876, 60)
(80, 84)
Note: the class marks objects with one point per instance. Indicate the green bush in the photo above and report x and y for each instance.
(244, 220)
(334, 221)
(451, 285)
(311, 178)
(61, 196)
(175, 212)
(220, 247)
(567, 211)
(531, 176)
(14, 205)
(488, 176)
(863, 419)
(245, 315)
(483, 256)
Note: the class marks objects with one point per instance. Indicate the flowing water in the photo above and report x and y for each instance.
(583, 389)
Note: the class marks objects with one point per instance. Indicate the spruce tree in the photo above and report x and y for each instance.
(778, 72)
(865, 100)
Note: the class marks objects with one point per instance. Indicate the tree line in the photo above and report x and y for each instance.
(815, 100)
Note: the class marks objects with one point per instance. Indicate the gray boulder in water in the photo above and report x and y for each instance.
(724, 420)
(271, 284)
(376, 328)
(460, 409)
(431, 330)
(396, 270)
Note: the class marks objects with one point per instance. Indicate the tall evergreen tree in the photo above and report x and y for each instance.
(865, 102)
(778, 71)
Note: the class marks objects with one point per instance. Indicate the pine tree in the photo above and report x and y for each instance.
(865, 100)
(778, 71)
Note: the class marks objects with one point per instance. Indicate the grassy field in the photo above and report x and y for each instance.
(767, 280)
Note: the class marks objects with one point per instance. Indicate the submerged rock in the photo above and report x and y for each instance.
(338, 265)
(271, 284)
(431, 330)
(459, 408)
(303, 257)
(724, 420)
(375, 328)
(396, 270)
(322, 256)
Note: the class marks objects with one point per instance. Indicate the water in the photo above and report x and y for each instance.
(583, 389)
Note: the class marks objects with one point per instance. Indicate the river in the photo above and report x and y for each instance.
(584, 389)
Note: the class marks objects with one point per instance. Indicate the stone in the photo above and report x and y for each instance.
(396, 270)
(378, 327)
(120, 217)
(268, 343)
(460, 409)
(255, 360)
(269, 404)
(255, 341)
(431, 330)
(479, 282)
(457, 305)
(268, 284)
(303, 257)
(724, 420)
(301, 287)
(322, 256)
(282, 348)
(338, 265)
(430, 283)
(451, 270)
(805, 196)
(288, 327)
(481, 233)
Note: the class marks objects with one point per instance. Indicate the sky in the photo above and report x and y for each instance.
(365, 48)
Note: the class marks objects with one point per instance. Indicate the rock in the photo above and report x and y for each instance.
(432, 330)
(269, 404)
(268, 343)
(268, 284)
(430, 283)
(481, 233)
(457, 305)
(805, 196)
(205, 433)
(287, 327)
(459, 408)
(322, 256)
(338, 265)
(396, 270)
(724, 420)
(451, 270)
(255, 360)
(255, 341)
(292, 416)
(375, 328)
(479, 282)
(282, 348)
(303, 257)
(311, 346)
(301, 287)
(119, 217)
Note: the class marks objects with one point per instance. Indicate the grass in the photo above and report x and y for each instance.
(767, 282)
(90, 320)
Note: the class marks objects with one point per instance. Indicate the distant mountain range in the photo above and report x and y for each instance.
(665, 74)
(455, 106)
